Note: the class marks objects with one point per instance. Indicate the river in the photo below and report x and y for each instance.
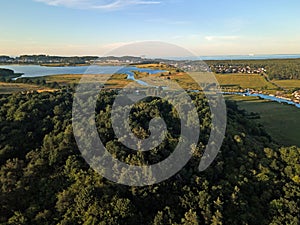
(263, 96)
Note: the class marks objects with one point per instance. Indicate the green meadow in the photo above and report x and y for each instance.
(244, 81)
(288, 84)
(281, 121)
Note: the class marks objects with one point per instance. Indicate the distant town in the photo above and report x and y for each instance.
(219, 68)
(60, 60)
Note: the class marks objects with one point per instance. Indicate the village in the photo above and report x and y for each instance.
(236, 69)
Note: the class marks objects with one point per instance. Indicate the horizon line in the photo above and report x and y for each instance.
(217, 55)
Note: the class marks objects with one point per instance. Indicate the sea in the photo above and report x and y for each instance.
(239, 57)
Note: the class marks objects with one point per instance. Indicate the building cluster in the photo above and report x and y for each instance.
(296, 95)
(236, 69)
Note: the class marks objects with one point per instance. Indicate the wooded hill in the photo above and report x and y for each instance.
(44, 179)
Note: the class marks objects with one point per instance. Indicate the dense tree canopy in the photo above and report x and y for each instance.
(44, 179)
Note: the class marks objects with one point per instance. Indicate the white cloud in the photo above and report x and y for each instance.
(98, 4)
(222, 38)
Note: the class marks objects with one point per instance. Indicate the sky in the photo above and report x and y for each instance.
(94, 27)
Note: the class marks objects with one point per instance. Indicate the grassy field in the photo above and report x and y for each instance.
(288, 84)
(8, 88)
(281, 121)
(233, 81)
(116, 81)
(252, 81)
(62, 79)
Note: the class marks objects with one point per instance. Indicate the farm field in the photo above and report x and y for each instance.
(243, 81)
(281, 121)
(231, 81)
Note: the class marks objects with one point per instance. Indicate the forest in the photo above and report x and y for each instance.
(44, 179)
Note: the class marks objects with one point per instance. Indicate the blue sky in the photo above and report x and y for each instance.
(93, 27)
